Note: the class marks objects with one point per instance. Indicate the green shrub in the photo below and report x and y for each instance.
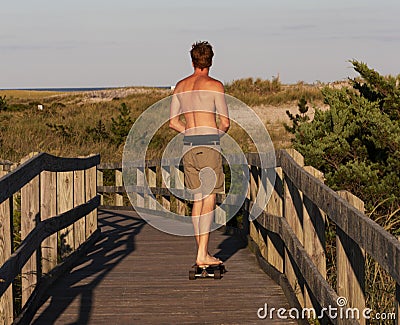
(3, 103)
(121, 126)
(356, 143)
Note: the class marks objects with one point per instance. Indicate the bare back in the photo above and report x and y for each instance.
(201, 98)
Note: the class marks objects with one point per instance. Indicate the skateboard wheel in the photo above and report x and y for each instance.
(192, 275)
(217, 274)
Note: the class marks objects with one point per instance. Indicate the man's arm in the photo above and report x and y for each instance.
(221, 108)
(175, 112)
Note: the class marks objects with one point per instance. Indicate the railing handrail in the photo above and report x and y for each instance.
(10, 269)
(352, 221)
(56, 195)
(24, 173)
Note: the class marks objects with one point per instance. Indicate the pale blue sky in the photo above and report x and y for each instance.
(90, 43)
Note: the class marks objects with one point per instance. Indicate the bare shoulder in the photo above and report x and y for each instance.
(179, 87)
(216, 85)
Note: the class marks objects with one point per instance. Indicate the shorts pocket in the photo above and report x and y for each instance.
(207, 157)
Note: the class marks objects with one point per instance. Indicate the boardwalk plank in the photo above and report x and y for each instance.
(136, 274)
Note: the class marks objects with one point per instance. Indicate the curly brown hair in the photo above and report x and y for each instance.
(202, 54)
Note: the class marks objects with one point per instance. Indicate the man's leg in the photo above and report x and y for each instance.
(203, 225)
(196, 212)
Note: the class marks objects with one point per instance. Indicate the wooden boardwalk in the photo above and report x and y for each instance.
(136, 274)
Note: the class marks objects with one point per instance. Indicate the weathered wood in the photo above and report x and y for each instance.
(293, 199)
(166, 184)
(60, 164)
(24, 173)
(220, 216)
(48, 209)
(264, 188)
(106, 166)
(38, 186)
(356, 225)
(100, 183)
(10, 269)
(90, 193)
(254, 179)
(30, 216)
(119, 198)
(350, 261)
(118, 189)
(79, 198)
(293, 213)
(314, 223)
(6, 300)
(275, 247)
(140, 202)
(252, 193)
(152, 182)
(178, 178)
(320, 288)
(65, 202)
(34, 302)
(135, 284)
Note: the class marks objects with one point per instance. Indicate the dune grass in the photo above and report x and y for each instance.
(63, 127)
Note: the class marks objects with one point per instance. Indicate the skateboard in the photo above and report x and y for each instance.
(207, 271)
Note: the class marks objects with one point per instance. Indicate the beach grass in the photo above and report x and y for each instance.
(70, 121)
(27, 94)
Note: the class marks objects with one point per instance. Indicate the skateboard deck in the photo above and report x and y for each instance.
(207, 271)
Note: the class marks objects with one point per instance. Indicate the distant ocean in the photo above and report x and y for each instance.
(77, 89)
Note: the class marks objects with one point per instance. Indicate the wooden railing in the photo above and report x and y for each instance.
(58, 221)
(289, 237)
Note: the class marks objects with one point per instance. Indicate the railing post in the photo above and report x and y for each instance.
(275, 206)
(100, 182)
(350, 263)
(65, 202)
(48, 209)
(178, 177)
(79, 198)
(90, 193)
(140, 182)
(166, 183)
(220, 213)
(314, 224)
(255, 186)
(30, 216)
(6, 217)
(119, 198)
(293, 212)
(264, 186)
(152, 181)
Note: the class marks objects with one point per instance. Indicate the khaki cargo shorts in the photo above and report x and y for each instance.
(195, 159)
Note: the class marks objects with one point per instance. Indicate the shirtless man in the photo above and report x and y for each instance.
(200, 99)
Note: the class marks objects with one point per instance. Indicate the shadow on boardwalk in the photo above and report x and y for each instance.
(139, 275)
(116, 242)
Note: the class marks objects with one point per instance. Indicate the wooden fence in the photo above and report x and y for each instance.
(289, 237)
(56, 201)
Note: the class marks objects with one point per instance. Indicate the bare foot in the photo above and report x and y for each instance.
(208, 260)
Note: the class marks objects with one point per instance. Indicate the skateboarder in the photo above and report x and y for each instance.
(200, 99)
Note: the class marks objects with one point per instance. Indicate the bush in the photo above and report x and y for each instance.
(121, 126)
(3, 103)
(298, 118)
(356, 143)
